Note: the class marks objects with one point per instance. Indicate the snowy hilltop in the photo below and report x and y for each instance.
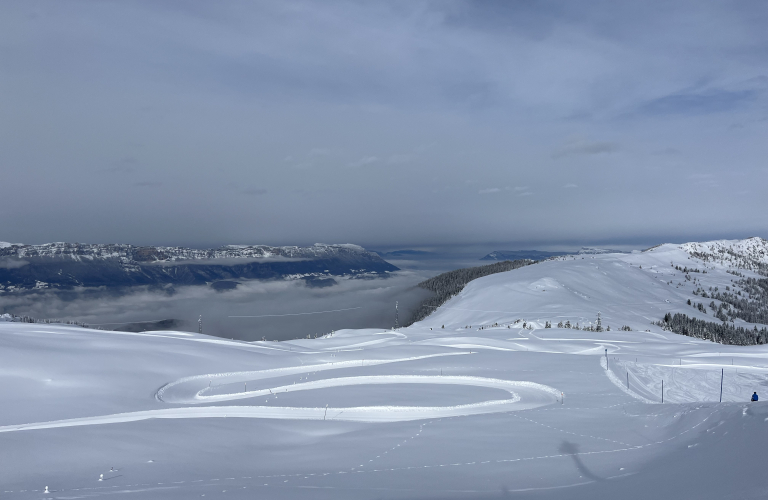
(67, 265)
(559, 379)
(723, 283)
(751, 253)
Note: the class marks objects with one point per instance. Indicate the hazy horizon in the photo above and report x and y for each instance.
(624, 244)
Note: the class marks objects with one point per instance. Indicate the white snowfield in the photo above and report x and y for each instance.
(465, 404)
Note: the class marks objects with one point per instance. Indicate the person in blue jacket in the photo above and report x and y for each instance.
(754, 397)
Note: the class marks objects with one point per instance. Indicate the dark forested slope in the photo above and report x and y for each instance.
(448, 284)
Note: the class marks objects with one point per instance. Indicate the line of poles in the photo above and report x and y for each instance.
(722, 376)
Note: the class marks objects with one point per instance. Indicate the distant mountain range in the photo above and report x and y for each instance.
(542, 255)
(405, 254)
(520, 254)
(69, 265)
(595, 251)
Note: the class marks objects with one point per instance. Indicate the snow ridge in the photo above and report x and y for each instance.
(750, 254)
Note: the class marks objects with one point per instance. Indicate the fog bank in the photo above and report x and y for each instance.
(286, 309)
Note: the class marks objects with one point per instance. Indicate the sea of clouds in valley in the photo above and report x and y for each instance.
(283, 304)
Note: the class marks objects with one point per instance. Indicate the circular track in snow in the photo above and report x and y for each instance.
(522, 395)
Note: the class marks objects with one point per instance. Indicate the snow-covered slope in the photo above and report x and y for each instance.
(476, 401)
(751, 253)
(627, 289)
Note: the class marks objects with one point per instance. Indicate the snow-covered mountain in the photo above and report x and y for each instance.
(627, 289)
(500, 255)
(542, 255)
(751, 253)
(488, 397)
(595, 251)
(64, 265)
(161, 254)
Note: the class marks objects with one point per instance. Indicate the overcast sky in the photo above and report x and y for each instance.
(386, 124)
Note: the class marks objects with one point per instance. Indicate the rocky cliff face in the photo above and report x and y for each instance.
(68, 265)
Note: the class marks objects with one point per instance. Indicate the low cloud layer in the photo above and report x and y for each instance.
(11, 263)
(282, 306)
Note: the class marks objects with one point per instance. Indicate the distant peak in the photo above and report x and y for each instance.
(500, 255)
(749, 253)
(596, 251)
(349, 246)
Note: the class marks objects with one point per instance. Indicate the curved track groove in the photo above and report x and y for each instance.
(525, 395)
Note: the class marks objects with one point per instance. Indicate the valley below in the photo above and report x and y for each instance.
(559, 379)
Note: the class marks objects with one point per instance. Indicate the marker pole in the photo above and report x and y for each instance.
(722, 372)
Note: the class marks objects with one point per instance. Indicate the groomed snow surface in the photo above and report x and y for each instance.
(481, 408)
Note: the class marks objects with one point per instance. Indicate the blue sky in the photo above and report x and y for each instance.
(383, 123)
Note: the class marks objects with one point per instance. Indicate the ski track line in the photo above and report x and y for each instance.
(571, 433)
(169, 335)
(538, 394)
(245, 376)
(563, 407)
(392, 469)
(386, 452)
(492, 383)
